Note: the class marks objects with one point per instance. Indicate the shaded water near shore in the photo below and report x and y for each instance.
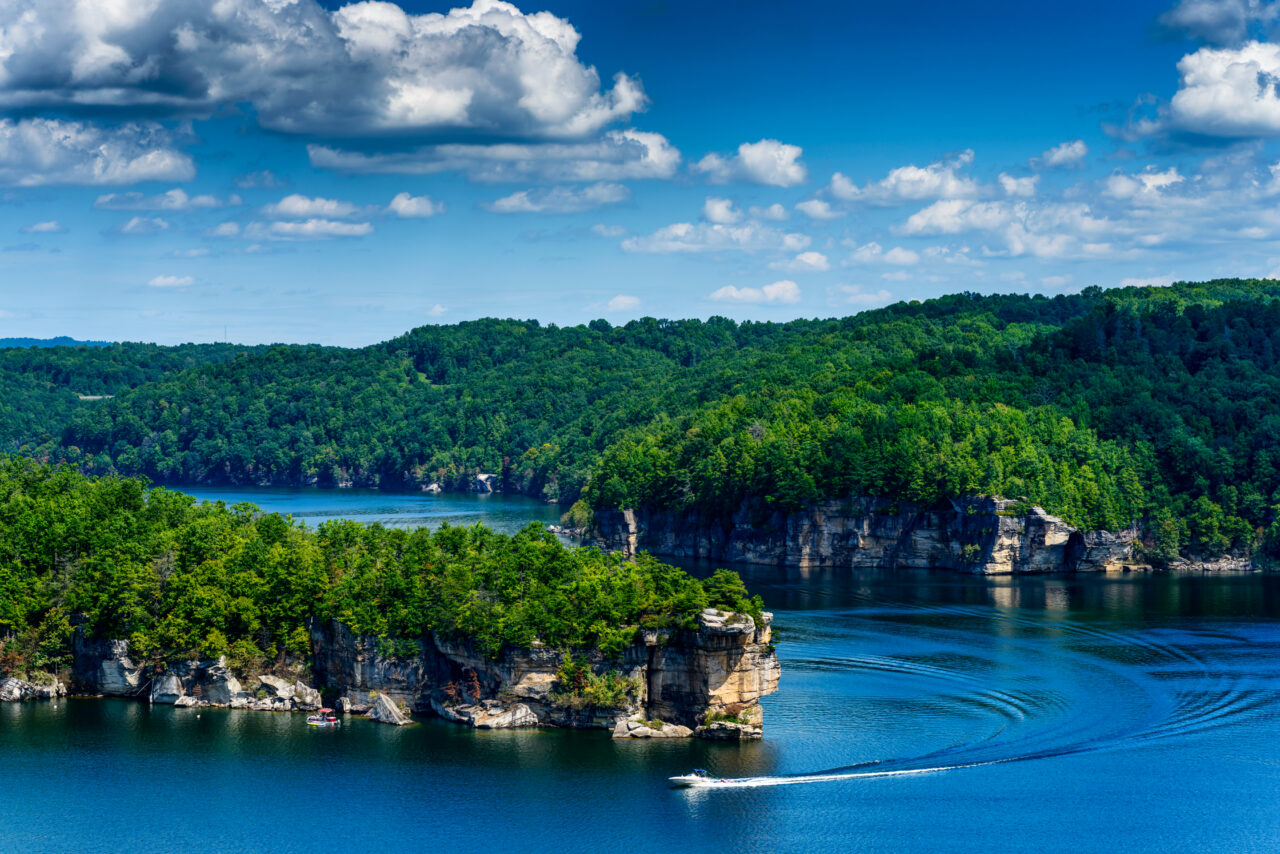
(918, 711)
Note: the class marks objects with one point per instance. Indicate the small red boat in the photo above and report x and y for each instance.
(324, 717)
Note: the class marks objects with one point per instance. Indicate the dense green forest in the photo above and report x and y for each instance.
(1155, 406)
(179, 579)
(43, 388)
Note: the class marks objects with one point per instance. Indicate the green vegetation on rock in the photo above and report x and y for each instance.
(179, 579)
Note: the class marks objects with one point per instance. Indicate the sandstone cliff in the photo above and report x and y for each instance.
(106, 668)
(979, 535)
(693, 681)
(720, 669)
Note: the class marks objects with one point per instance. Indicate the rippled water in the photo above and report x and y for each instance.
(918, 712)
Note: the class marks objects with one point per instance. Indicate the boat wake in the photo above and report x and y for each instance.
(1111, 690)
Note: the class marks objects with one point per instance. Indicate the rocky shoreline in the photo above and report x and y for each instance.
(685, 678)
(14, 690)
(700, 682)
(982, 535)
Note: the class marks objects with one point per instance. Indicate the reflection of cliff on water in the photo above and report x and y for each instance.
(1133, 596)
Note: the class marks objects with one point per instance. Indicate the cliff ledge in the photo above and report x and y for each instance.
(983, 534)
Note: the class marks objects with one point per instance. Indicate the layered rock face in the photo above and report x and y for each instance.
(680, 678)
(979, 535)
(13, 690)
(106, 668)
(678, 683)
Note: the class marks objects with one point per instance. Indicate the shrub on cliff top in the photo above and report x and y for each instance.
(176, 578)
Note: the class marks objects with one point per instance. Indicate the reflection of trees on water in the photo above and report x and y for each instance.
(1128, 597)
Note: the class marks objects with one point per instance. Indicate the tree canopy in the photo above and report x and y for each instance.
(1108, 407)
(179, 579)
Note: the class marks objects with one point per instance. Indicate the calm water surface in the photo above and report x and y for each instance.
(918, 712)
(312, 505)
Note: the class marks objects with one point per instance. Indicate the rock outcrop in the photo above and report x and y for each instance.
(745, 725)
(488, 714)
(104, 667)
(14, 690)
(386, 711)
(689, 679)
(979, 535)
(640, 728)
(720, 669)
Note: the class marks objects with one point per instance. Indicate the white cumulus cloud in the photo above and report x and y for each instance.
(1227, 92)
(874, 253)
(407, 206)
(805, 262)
(775, 212)
(952, 216)
(297, 206)
(38, 152)
(1052, 230)
(785, 291)
(767, 162)
(941, 179)
(1018, 186)
(1143, 186)
(818, 209)
(364, 69)
(720, 211)
(1070, 153)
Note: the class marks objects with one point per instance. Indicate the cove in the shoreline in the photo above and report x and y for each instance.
(313, 505)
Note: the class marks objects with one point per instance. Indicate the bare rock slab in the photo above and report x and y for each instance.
(386, 711)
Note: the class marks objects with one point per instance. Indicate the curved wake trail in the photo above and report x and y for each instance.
(1035, 726)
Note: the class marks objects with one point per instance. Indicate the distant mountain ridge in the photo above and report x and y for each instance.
(1154, 407)
(60, 341)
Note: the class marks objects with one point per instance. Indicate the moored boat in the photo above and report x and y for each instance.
(324, 717)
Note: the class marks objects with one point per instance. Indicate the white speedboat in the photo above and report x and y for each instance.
(697, 777)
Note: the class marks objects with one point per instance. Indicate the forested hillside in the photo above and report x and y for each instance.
(1150, 405)
(42, 388)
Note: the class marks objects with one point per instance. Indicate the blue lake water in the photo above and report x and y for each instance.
(313, 505)
(918, 711)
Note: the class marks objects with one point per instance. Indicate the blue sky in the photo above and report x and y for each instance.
(284, 170)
